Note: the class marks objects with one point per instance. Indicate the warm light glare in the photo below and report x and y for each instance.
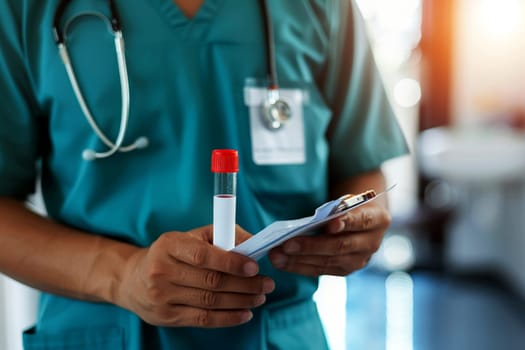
(396, 14)
(390, 13)
(501, 17)
(394, 28)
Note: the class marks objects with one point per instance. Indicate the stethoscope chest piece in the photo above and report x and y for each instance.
(276, 112)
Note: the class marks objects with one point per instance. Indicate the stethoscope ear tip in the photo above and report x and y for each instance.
(142, 142)
(89, 155)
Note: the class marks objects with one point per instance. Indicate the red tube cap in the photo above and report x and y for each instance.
(224, 161)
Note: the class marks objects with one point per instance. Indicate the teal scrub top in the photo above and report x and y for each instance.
(186, 83)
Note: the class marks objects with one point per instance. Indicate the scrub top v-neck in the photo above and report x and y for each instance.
(200, 21)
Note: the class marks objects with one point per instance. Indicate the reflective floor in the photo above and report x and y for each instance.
(431, 311)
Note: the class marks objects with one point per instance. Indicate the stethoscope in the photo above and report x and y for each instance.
(276, 112)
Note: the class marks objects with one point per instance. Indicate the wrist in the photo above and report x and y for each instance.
(125, 283)
(104, 278)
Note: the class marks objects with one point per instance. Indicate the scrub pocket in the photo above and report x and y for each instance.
(107, 338)
(296, 327)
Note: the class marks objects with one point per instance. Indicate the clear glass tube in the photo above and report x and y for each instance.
(225, 184)
(224, 204)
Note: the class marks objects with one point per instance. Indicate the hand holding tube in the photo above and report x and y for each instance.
(183, 280)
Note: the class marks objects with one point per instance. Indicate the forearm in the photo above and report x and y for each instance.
(372, 180)
(58, 259)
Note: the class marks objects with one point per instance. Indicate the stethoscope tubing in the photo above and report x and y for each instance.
(114, 28)
(273, 83)
(123, 83)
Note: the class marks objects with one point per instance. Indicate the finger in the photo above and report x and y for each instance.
(205, 233)
(207, 299)
(241, 235)
(333, 244)
(191, 276)
(202, 254)
(349, 262)
(363, 219)
(181, 315)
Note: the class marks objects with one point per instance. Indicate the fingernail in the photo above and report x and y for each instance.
(292, 247)
(260, 299)
(279, 260)
(246, 316)
(250, 268)
(340, 226)
(268, 285)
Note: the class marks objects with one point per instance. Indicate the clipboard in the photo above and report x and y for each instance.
(280, 231)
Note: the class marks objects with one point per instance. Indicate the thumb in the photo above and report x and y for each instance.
(241, 235)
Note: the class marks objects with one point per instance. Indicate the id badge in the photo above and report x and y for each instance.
(285, 145)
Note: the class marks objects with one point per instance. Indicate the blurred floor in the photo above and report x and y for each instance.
(427, 310)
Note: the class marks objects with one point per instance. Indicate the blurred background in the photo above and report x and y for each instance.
(451, 271)
(450, 274)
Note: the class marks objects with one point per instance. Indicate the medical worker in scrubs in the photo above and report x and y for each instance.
(120, 142)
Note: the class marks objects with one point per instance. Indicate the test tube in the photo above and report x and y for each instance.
(224, 165)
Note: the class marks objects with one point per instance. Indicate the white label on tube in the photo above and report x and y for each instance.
(224, 221)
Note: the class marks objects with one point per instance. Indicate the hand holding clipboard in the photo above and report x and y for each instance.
(280, 231)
